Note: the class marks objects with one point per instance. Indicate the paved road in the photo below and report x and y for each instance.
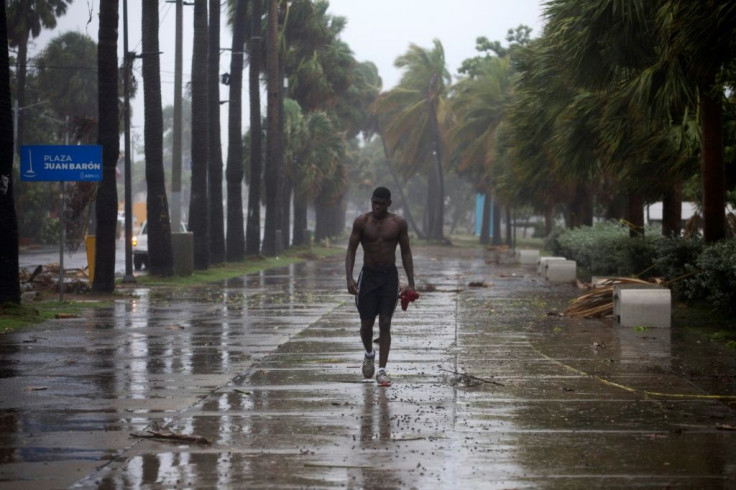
(267, 369)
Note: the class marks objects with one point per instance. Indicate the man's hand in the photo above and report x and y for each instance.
(352, 287)
(407, 295)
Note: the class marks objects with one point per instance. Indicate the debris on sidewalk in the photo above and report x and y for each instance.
(46, 277)
(469, 380)
(162, 433)
(599, 302)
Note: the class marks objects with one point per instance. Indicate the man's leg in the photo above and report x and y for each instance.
(384, 343)
(366, 333)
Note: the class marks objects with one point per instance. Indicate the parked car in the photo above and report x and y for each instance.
(140, 245)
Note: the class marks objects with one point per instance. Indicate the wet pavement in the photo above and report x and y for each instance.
(490, 390)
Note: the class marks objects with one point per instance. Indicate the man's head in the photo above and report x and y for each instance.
(380, 201)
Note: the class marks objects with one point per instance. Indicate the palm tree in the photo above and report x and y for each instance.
(670, 53)
(253, 227)
(160, 254)
(274, 161)
(27, 18)
(214, 149)
(414, 111)
(9, 274)
(198, 203)
(235, 240)
(479, 104)
(106, 207)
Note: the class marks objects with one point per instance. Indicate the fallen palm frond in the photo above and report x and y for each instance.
(599, 302)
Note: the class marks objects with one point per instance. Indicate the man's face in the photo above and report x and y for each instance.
(379, 207)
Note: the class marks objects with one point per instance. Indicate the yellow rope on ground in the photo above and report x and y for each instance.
(631, 389)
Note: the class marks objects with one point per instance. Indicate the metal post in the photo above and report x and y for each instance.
(62, 220)
(176, 155)
(128, 60)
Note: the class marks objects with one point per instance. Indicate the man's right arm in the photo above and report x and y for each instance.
(353, 243)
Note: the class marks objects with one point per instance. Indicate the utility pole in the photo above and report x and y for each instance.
(176, 154)
(128, 60)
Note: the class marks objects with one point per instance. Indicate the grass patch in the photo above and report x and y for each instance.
(250, 265)
(14, 317)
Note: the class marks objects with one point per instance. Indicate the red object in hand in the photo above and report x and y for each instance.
(407, 297)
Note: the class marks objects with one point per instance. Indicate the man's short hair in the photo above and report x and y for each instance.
(382, 193)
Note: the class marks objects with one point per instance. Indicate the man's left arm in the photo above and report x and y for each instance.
(406, 258)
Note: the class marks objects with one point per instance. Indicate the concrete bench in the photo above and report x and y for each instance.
(542, 263)
(559, 271)
(642, 305)
(528, 257)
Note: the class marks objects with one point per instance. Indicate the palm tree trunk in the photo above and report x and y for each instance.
(21, 90)
(235, 239)
(436, 181)
(496, 238)
(485, 224)
(253, 230)
(106, 204)
(672, 211)
(273, 140)
(198, 202)
(400, 188)
(712, 167)
(9, 273)
(214, 148)
(160, 256)
(299, 233)
(635, 214)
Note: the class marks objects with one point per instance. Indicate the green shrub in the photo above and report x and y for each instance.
(676, 258)
(717, 276)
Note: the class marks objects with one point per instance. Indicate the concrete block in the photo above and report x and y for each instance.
(528, 257)
(559, 271)
(182, 245)
(542, 263)
(636, 305)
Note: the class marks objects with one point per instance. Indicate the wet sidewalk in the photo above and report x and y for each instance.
(490, 390)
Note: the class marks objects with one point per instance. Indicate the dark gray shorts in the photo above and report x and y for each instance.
(378, 292)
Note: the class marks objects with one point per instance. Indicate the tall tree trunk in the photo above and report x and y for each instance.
(160, 257)
(712, 166)
(635, 214)
(509, 238)
(549, 220)
(438, 195)
(253, 230)
(20, 90)
(285, 227)
(106, 204)
(198, 213)
(234, 173)
(299, 233)
(400, 188)
(496, 237)
(485, 224)
(9, 274)
(214, 153)
(672, 211)
(273, 140)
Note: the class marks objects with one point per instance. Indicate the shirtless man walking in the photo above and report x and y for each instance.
(376, 292)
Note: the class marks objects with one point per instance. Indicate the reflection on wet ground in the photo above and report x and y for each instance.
(267, 369)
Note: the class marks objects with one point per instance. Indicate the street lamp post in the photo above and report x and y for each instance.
(128, 60)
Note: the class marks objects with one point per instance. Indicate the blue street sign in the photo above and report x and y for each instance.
(61, 163)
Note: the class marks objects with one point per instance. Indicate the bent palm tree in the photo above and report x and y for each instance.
(413, 111)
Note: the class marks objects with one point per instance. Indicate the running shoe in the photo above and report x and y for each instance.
(369, 366)
(382, 378)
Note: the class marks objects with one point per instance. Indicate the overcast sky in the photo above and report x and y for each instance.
(377, 31)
